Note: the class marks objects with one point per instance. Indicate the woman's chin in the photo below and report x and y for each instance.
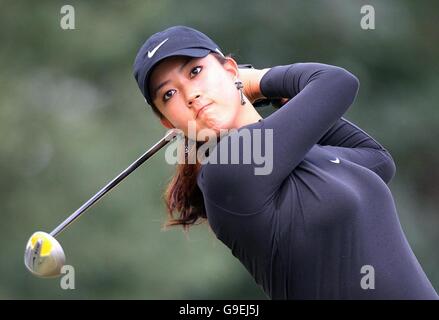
(217, 123)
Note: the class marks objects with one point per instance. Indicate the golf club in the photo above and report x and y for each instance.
(44, 255)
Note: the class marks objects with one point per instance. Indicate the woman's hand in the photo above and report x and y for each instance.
(251, 79)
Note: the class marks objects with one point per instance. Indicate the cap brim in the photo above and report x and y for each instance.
(191, 52)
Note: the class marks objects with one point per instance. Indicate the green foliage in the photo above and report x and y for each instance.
(72, 117)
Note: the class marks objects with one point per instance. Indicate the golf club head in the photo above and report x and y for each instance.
(44, 256)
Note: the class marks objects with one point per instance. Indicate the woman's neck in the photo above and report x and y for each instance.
(247, 115)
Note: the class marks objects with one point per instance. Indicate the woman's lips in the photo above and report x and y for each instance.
(202, 109)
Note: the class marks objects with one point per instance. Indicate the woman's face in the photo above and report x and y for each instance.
(201, 90)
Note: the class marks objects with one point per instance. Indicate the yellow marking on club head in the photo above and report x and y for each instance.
(46, 246)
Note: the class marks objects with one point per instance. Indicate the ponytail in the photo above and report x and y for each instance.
(183, 195)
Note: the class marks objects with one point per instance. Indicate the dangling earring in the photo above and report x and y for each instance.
(186, 146)
(240, 86)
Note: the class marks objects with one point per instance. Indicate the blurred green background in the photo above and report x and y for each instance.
(72, 117)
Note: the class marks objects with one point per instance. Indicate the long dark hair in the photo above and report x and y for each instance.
(184, 199)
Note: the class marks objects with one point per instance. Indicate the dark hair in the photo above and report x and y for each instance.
(184, 199)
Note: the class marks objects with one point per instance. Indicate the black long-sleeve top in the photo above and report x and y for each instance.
(309, 228)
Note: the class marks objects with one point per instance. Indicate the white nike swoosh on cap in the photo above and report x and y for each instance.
(337, 160)
(151, 53)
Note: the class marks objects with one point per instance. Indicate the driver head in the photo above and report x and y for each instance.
(44, 255)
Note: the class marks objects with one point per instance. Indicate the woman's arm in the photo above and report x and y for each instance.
(354, 144)
(251, 79)
(346, 134)
(319, 95)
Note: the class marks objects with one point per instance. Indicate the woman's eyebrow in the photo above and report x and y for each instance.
(154, 92)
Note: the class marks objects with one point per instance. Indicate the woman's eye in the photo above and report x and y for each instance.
(196, 71)
(168, 95)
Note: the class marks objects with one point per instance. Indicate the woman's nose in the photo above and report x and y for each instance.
(193, 98)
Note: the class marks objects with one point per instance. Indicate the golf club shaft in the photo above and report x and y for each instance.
(75, 215)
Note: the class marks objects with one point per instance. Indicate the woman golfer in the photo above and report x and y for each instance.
(322, 223)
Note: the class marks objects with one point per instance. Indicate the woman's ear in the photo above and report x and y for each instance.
(165, 122)
(232, 67)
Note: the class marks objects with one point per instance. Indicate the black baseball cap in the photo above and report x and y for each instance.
(174, 41)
